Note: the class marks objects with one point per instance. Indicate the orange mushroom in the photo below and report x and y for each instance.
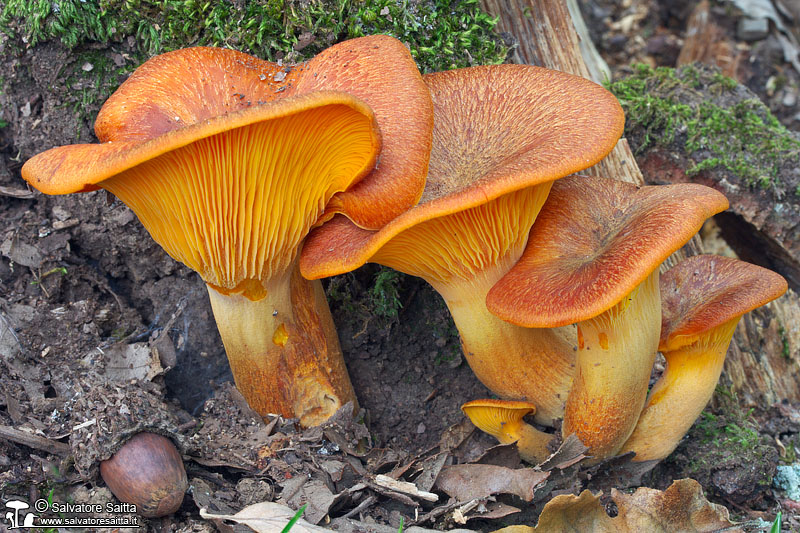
(592, 258)
(503, 419)
(702, 300)
(501, 135)
(228, 165)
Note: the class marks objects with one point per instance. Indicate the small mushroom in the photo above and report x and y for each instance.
(148, 472)
(229, 167)
(702, 300)
(592, 258)
(501, 135)
(503, 419)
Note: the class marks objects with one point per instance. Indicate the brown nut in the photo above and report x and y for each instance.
(147, 472)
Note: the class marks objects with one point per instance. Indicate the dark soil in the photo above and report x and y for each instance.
(80, 280)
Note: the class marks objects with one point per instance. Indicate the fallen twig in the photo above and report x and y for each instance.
(405, 487)
(34, 441)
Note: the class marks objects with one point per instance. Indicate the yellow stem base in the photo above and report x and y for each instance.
(680, 394)
(513, 362)
(283, 350)
(532, 444)
(616, 352)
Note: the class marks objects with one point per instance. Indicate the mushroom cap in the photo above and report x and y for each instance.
(706, 291)
(380, 70)
(499, 418)
(594, 241)
(187, 87)
(497, 129)
(192, 86)
(82, 167)
(214, 195)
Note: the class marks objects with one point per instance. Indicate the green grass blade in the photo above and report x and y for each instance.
(776, 525)
(294, 519)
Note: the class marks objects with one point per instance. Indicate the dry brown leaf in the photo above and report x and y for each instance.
(269, 517)
(126, 362)
(471, 481)
(492, 511)
(571, 451)
(682, 507)
(266, 517)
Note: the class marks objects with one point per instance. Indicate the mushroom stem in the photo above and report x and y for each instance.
(512, 361)
(680, 394)
(532, 444)
(616, 352)
(283, 349)
(462, 255)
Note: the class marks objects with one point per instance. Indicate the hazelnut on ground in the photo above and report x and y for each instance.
(147, 472)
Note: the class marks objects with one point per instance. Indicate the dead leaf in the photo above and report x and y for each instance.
(266, 517)
(126, 362)
(506, 455)
(455, 435)
(576, 513)
(21, 253)
(335, 469)
(682, 507)
(571, 451)
(319, 499)
(430, 471)
(471, 481)
(492, 511)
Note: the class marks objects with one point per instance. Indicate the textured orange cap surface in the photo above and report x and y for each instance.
(186, 87)
(380, 70)
(594, 241)
(497, 129)
(705, 291)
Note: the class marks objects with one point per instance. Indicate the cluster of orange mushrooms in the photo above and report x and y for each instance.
(263, 177)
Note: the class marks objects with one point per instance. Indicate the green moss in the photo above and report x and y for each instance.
(384, 294)
(87, 81)
(785, 343)
(671, 106)
(369, 295)
(441, 34)
(730, 435)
